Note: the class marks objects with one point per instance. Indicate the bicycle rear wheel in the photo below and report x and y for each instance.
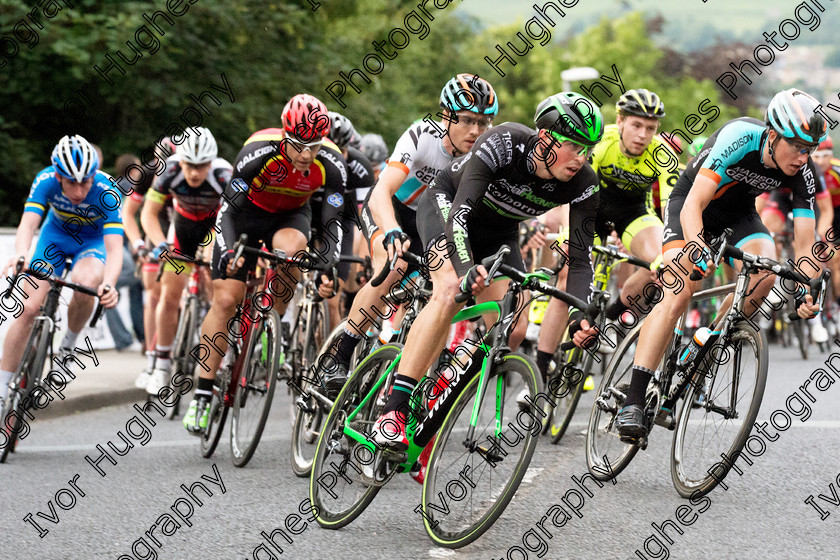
(340, 485)
(730, 395)
(186, 337)
(30, 370)
(255, 392)
(492, 465)
(571, 388)
(802, 338)
(606, 454)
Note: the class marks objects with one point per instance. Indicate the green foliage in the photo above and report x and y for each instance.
(269, 51)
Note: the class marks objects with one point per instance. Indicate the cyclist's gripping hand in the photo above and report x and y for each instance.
(581, 332)
(806, 308)
(108, 295)
(228, 268)
(703, 262)
(9, 269)
(473, 281)
(396, 242)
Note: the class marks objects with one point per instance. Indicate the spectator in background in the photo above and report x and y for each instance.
(123, 340)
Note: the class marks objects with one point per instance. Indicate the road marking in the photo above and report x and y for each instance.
(192, 441)
(442, 553)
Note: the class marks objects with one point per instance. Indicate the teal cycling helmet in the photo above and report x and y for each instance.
(792, 113)
(468, 92)
(570, 116)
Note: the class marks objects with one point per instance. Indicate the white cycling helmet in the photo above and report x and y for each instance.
(199, 147)
(75, 158)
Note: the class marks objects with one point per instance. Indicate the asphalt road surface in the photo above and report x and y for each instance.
(762, 514)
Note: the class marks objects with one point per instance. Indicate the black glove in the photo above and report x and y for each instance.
(331, 275)
(224, 261)
(574, 326)
(469, 279)
(392, 235)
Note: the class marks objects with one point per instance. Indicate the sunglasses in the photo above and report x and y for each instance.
(301, 146)
(801, 148)
(469, 122)
(577, 149)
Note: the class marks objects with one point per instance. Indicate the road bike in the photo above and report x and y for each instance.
(481, 433)
(27, 386)
(720, 390)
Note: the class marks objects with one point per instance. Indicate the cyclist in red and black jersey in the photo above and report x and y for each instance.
(829, 169)
(275, 174)
(194, 178)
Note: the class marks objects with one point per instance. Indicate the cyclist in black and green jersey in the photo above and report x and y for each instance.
(628, 161)
(513, 173)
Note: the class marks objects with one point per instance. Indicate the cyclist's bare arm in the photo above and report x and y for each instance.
(113, 267)
(150, 222)
(701, 194)
(132, 230)
(29, 222)
(380, 203)
(826, 215)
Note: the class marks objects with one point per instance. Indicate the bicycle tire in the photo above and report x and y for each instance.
(514, 373)
(606, 454)
(185, 340)
(683, 465)
(256, 388)
(31, 369)
(566, 405)
(801, 338)
(307, 425)
(218, 410)
(324, 508)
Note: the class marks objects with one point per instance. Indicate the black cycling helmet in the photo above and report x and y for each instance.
(641, 103)
(570, 116)
(468, 92)
(341, 129)
(792, 113)
(374, 148)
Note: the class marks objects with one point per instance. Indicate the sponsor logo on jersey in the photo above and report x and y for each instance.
(753, 178)
(252, 156)
(733, 147)
(239, 185)
(427, 174)
(335, 200)
(590, 190)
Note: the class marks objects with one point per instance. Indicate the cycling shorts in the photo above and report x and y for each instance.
(406, 218)
(260, 226)
(628, 220)
(349, 227)
(745, 222)
(485, 239)
(55, 245)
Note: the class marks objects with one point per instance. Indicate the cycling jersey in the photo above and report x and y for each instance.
(732, 159)
(194, 203)
(72, 230)
(494, 187)
(360, 177)
(98, 214)
(658, 195)
(420, 154)
(832, 182)
(627, 180)
(272, 185)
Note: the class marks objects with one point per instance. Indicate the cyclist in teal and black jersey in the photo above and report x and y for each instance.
(389, 215)
(83, 223)
(741, 160)
(475, 206)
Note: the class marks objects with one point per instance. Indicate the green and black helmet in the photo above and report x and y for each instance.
(570, 116)
(641, 103)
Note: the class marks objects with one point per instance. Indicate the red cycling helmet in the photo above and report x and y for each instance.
(826, 144)
(306, 118)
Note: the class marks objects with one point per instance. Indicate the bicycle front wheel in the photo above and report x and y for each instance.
(718, 411)
(474, 481)
(255, 390)
(217, 416)
(31, 369)
(606, 454)
(341, 484)
(570, 386)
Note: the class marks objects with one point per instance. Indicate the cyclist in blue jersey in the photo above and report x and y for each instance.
(83, 223)
(741, 160)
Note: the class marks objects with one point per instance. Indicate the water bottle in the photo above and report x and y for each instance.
(701, 336)
(386, 332)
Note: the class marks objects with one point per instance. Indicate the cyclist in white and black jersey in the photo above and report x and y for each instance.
(388, 214)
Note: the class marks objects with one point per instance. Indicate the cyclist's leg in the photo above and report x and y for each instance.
(643, 237)
(88, 270)
(291, 240)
